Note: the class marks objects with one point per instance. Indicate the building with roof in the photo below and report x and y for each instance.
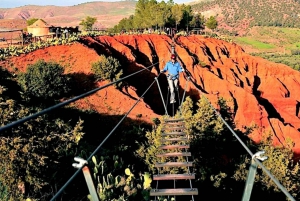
(39, 28)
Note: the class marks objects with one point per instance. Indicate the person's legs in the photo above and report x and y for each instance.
(171, 85)
(176, 84)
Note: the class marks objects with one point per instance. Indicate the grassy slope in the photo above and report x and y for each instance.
(272, 43)
(271, 38)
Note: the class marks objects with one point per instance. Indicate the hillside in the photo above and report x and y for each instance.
(238, 16)
(107, 13)
(217, 68)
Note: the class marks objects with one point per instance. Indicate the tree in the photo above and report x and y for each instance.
(187, 16)
(140, 20)
(107, 68)
(164, 14)
(44, 81)
(177, 13)
(211, 23)
(197, 21)
(88, 23)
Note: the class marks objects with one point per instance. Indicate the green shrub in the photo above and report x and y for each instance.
(44, 80)
(280, 163)
(32, 153)
(107, 68)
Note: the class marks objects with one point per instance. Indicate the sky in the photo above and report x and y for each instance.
(17, 3)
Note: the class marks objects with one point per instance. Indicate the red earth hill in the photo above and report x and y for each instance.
(260, 92)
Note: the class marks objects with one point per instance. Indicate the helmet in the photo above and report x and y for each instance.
(173, 56)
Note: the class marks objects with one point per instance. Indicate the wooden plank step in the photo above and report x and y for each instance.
(173, 176)
(173, 120)
(174, 128)
(173, 133)
(174, 191)
(174, 164)
(173, 123)
(175, 139)
(175, 146)
(174, 154)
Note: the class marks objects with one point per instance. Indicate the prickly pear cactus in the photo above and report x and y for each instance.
(116, 183)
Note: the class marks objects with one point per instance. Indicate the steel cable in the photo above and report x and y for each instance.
(100, 145)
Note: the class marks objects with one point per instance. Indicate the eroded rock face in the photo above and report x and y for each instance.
(260, 92)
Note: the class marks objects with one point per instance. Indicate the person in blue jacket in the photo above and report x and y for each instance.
(173, 67)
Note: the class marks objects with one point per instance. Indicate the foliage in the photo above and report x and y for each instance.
(152, 14)
(216, 153)
(31, 21)
(88, 22)
(44, 80)
(211, 23)
(115, 182)
(254, 43)
(257, 12)
(197, 21)
(107, 68)
(280, 163)
(32, 153)
(18, 50)
(177, 13)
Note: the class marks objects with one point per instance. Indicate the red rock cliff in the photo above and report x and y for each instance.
(262, 93)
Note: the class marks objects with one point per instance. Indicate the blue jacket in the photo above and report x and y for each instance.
(173, 69)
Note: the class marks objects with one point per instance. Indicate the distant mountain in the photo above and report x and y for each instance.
(107, 13)
(239, 15)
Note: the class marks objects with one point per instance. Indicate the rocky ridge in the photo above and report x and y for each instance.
(260, 92)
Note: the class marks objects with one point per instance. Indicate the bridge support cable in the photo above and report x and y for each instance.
(15, 123)
(97, 149)
(183, 96)
(165, 103)
(279, 185)
(162, 98)
(184, 92)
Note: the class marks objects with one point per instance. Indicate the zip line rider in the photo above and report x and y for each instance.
(173, 67)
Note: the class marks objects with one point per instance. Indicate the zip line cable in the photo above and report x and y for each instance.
(97, 149)
(10, 125)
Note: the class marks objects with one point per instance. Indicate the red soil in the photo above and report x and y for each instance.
(261, 92)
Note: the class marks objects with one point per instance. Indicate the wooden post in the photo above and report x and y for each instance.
(22, 37)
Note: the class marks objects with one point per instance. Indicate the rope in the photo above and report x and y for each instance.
(97, 149)
(10, 125)
(282, 188)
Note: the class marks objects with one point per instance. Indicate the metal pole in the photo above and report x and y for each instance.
(251, 175)
(162, 98)
(90, 184)
(87, 175)
(250, 181)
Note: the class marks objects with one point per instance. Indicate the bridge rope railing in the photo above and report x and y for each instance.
(59, 105)
(253, 156)
(112, 131)
(105, 139)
